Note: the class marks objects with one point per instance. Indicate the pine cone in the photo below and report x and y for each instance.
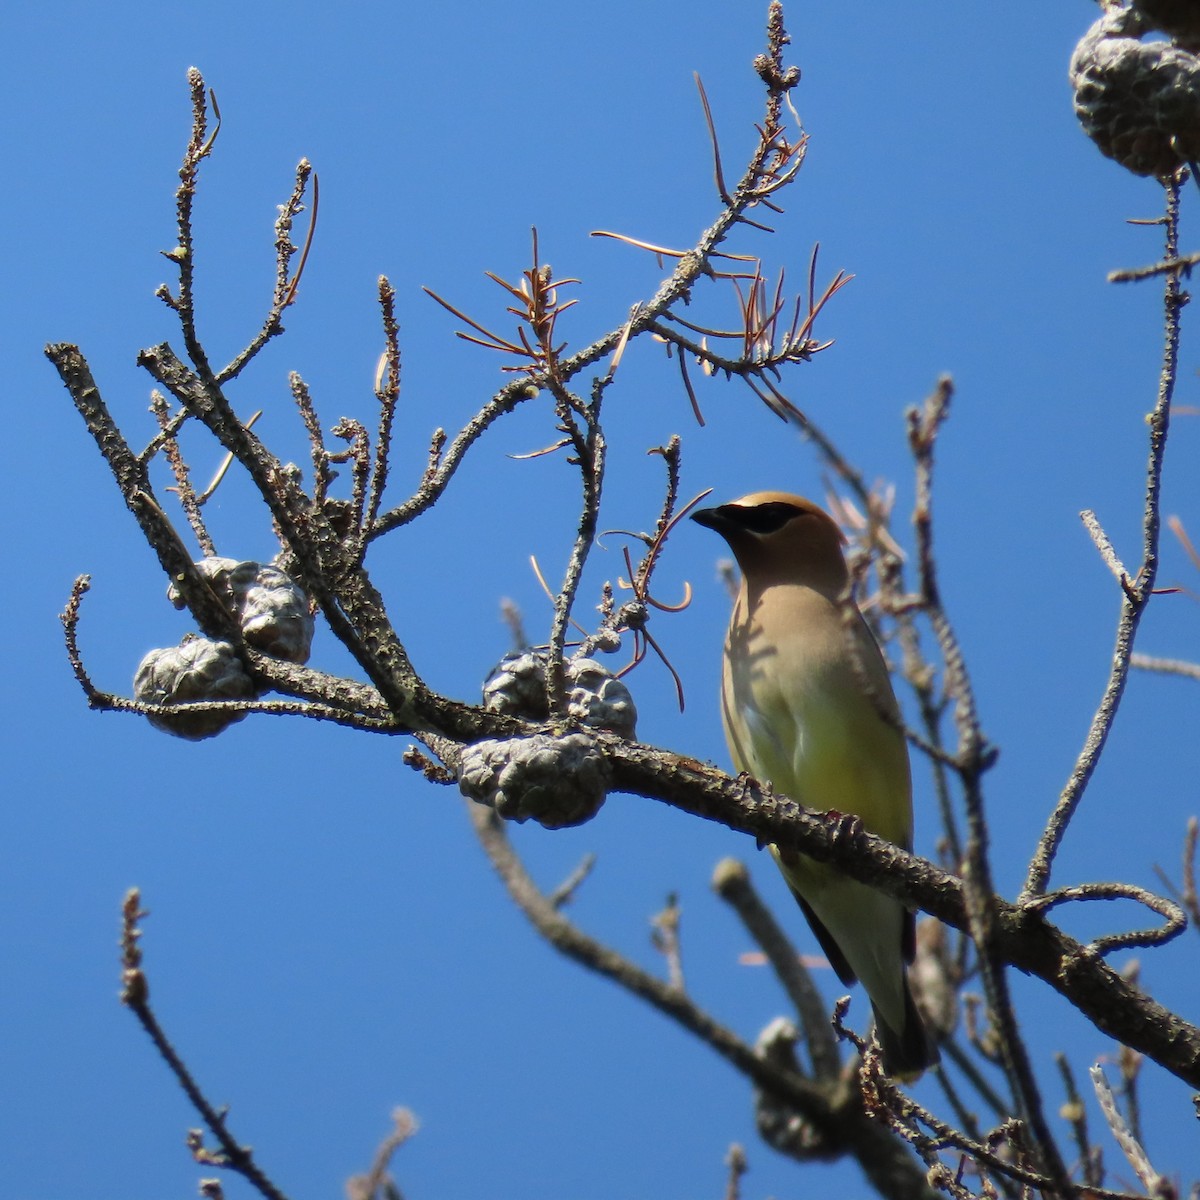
(516, 686)
(270, 607)
(556, 781)
(196, 670)
(595, 696)
(1140, 103)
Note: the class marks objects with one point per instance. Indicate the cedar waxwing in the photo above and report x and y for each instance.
(800, 713)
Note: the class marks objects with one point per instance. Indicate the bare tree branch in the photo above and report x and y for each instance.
(838, 1116)
(135, 995)
(1136, 595)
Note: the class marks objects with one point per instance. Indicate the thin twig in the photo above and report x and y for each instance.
(1165, 666)
(199, 147)
(387, 392)
(565, 892)
(1170, 266)
(444, 461)
(1105, 548)
(188, 499)
(1174, 916)
(1075, 1111)
(1135, 594)
(286, 284)
(1129, 1062)
(1186, 893)
(1154, 1183)
(358, 454)
(135, 995)
(665, 937)
(590, 458)
(366, 1187)
(735, 1160)
(973, 758)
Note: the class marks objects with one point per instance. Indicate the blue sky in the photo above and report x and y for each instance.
(326, 941)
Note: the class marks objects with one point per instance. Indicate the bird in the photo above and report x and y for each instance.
(807, 705)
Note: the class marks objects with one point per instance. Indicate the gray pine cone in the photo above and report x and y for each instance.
(270, 607)
(516, 686)
(595, 696)
(196, 670)
(1140, 103)
(556, 781)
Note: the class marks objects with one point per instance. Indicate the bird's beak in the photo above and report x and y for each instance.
(711, 518)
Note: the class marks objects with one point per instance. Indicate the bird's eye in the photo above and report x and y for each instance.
(767, 518)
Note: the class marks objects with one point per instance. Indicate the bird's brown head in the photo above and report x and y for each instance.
(780, 538)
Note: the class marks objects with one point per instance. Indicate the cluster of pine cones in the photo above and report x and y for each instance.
(275, 617)
(1140, 101)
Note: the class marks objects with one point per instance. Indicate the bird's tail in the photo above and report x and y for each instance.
(909, 1051)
